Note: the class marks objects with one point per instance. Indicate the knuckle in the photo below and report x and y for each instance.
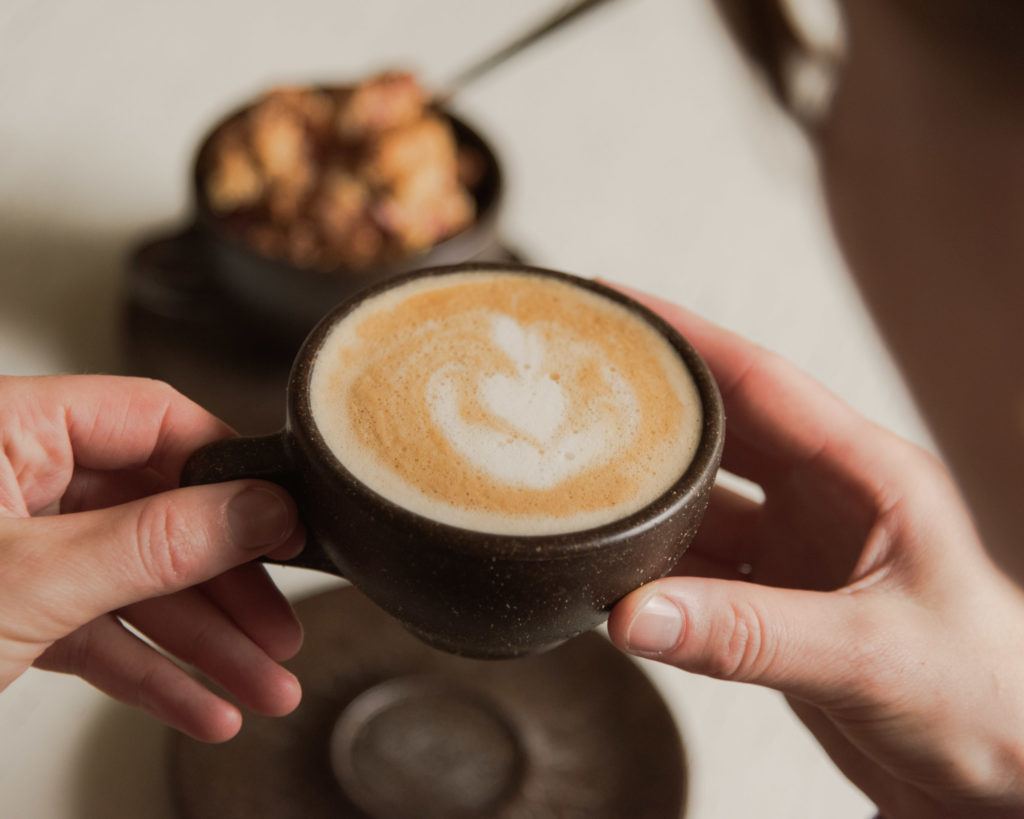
(867, 624)
(919, 468)
(929, 474)
(162, 387)
(80, 653)
(147, 688)
(737, 648)
(986, 765)
(877, 657)
(1011, 762)
(202, 646)
(70, 655)
(156, 387)
(156, 396)
(169, 543)
(167, 395)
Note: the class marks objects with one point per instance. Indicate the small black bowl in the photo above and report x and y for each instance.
(284, 301)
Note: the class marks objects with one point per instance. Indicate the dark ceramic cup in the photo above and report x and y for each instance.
(470, 592)
(284, 300)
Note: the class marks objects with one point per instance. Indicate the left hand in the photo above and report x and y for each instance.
(94, 534)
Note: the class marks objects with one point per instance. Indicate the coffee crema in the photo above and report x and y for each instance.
(506, 402)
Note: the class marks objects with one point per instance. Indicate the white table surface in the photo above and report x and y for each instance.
(638, 146)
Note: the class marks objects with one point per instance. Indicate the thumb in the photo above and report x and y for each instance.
(82, 565)
(804, 643)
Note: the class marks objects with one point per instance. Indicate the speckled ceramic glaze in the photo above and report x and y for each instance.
(471, 593)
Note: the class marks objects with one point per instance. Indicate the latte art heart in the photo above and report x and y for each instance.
(545, 449)
(530, 400)
(533, 404)
(505, 402)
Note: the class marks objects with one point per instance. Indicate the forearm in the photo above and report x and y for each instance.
(923, 177)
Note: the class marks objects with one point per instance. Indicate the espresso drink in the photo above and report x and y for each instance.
(505, 402)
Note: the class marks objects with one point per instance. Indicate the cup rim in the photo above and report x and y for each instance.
(482, 221)
(696, 478)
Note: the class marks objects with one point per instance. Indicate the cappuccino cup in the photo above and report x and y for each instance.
(495, 454)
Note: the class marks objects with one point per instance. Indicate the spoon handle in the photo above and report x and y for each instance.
(522, 42)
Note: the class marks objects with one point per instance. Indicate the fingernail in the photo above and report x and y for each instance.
(656, 627)
(258, 518)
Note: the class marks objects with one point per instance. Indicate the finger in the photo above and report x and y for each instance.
(97, 489)
(106, 655)
(727, 532)
(114, 422)
(72, 568)
(191, 627)
(121, 423)
(803, 643)
(96, 422)
(250, 599)
(778, 415)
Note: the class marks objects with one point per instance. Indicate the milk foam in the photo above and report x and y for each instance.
(506, 402)
(546, 451)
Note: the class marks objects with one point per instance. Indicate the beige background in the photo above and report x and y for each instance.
(638, 147)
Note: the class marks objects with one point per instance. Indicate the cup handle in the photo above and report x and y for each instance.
(265, 458)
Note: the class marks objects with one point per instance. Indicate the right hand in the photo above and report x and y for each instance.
(871, 602)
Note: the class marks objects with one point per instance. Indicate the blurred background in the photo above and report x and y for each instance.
(637, 144)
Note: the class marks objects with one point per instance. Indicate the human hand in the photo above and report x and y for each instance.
(865, 597)
(106, 453)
